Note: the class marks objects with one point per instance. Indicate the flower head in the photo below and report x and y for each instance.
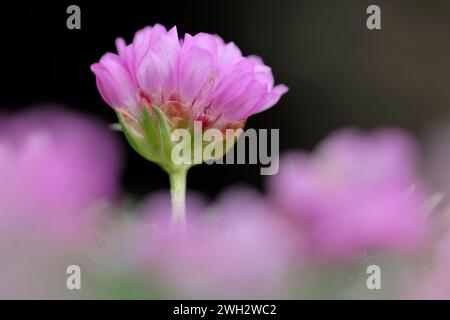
(197, 78)
(356, 192)
(49, 168)
(200, 77)
(234, 248)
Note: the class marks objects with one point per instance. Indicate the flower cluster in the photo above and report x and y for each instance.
(356, 196)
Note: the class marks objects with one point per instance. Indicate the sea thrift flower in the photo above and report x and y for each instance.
(160, 83)
(356, 192)
(50, 172)
(236, 248)
(52, 190)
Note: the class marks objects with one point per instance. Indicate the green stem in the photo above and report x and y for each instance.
(178, 195)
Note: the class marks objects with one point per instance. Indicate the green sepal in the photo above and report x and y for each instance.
(129, 136)
(165, 133)
(151, 137)
(150, 125)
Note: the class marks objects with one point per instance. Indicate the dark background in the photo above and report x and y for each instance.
(339, 72)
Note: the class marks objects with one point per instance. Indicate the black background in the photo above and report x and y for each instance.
(339, 73)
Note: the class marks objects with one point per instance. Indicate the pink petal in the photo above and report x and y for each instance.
(195, 70)
(156, 73)
(114, 82)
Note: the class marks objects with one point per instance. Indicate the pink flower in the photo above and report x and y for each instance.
(356, 192)
(237, 249)
(160, 83)
(56, 166)
(195, 78)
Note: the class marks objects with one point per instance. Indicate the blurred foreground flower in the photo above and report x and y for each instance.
(160, 83)
(357, 192)
(52, 191)
(236, 248)
(49, 164)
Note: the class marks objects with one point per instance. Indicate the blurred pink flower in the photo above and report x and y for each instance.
(356, 192)
(55, 167)
(238, 249)
(195, 78)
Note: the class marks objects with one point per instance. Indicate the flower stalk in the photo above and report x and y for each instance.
(178, 195)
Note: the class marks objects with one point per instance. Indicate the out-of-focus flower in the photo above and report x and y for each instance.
(159, 83)
(356, 192)
(57, 169)
(56, 166)
(238, 249)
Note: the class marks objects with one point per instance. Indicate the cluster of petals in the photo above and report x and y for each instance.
(196, 78)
